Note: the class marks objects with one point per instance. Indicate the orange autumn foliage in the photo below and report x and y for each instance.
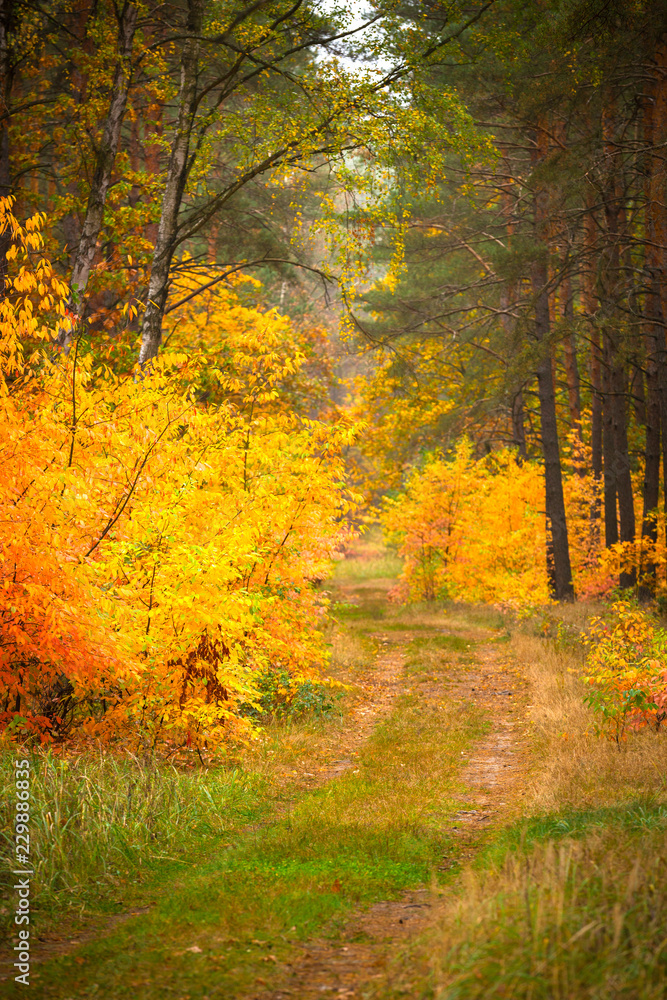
(159, 551)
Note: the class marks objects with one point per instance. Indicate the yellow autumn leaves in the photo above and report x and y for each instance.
(161, 531)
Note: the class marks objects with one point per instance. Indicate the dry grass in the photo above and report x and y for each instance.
(577, 768)
(576, 920)
(350, 655)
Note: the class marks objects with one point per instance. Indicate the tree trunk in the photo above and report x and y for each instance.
(560, 572)
(613, 291)
(626, 506)
(507, 304)
(5, 112)
(558, 550)
(653, 336)
(638, 392)
(647, 575)
(609, 457)
(570, 355)
(591, 305)
(655, 310)
(177, 172)
(104, 164)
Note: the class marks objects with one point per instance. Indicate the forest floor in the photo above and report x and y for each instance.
(359, 869)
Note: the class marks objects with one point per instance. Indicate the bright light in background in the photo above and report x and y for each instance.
(356, 13)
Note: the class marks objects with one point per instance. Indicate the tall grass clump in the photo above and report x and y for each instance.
(97, 819)
(582, 919)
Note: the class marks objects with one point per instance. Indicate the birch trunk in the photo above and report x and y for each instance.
(104, 164)
(177, 172)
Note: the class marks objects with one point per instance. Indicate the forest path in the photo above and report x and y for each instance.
(371, 818)
(361, 960)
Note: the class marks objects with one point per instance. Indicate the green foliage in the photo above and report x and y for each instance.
(283, 696)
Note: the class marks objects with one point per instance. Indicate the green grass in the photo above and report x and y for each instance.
(98, 820)
(368, 559)
(632, 817)
(373, 610)
(406, 625)
(447, 642)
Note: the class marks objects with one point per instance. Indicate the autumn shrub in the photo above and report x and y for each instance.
(471, 530)
(161, 541)
(627, 670)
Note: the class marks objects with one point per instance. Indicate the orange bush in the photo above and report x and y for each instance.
(627, 671)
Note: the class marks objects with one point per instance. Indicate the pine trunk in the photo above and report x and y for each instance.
(626, 507)
(613, 286)
(591, 305)
(651, 492)
(558, 558)
(608, 454)
(655, 136)
(570, 357)
(653, 337)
